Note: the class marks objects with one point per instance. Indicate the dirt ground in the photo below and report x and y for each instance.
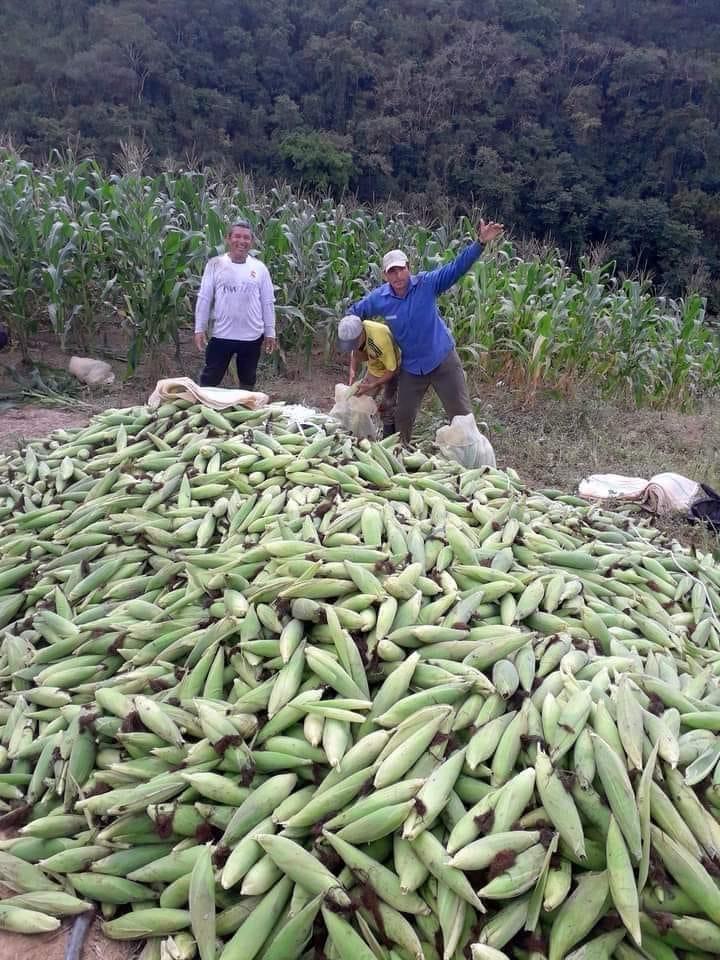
(51, 946)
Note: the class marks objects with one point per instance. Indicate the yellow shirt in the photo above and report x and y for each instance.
(382, 351)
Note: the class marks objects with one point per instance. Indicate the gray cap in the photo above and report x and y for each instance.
(350, 330)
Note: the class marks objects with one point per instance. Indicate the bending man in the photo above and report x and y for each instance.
(374, 344)
(237, 290)
(408, 303)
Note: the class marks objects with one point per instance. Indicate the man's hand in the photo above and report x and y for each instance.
(487, 232)
(201, 341)
(366, 389)
(270, 344)
(370, 386)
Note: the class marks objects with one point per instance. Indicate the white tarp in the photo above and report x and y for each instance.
(662, 493)
(183, 388)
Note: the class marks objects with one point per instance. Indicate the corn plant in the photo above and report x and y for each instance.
(157, 265)
(78, 246)
(19, 254)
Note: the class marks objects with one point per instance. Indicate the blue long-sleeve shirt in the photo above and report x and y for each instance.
(415, 321)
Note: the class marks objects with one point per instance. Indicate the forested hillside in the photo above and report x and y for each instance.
(591, 122)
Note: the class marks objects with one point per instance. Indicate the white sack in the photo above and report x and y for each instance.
(92, 372)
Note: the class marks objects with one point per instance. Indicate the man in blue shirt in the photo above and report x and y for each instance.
(408, 304)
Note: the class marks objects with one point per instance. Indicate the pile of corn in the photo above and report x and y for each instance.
(268, 692)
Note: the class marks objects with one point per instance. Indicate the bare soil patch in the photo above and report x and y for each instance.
(51, 946)
(20, 424)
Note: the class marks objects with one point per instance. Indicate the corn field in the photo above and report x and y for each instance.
(83, 253)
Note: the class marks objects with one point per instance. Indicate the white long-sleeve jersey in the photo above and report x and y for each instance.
(239, 297)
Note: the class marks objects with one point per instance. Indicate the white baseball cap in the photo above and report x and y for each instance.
(350, 330)
(394, 258)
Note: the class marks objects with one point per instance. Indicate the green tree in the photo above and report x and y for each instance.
(315, 159)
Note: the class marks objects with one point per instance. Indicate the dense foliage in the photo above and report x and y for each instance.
(84, 254)
(589, 122)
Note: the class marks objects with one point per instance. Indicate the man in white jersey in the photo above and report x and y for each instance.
(237, 290)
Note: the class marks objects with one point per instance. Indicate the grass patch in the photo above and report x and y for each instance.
(555, 441)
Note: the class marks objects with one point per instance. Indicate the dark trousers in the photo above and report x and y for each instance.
(387, 405)
(218, 355)
(448, 382)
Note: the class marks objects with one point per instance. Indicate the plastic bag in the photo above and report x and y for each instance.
(706, 508)
(358, 415)
(92, 372)
(462, 441)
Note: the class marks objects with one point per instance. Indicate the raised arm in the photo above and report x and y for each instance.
(444, 277)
